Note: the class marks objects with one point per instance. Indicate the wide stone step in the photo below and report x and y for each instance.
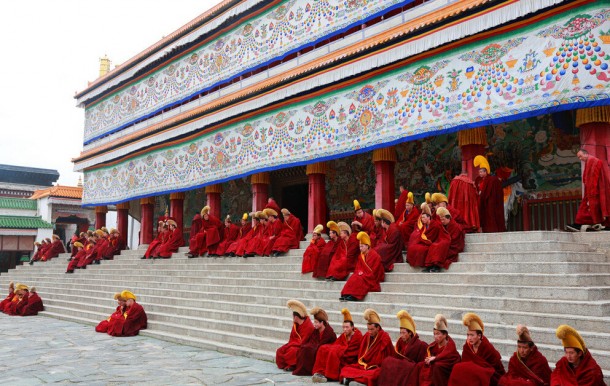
(539, 256)
(525, 246)
(530, 236)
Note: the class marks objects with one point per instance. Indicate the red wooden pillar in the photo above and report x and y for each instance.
(472, 142)
(594, 125)
(384, 160)
(122, 221)
(100, 216)
(176, 208)
(260, 190)
(146, 224)
(213, 194)
(316, 174)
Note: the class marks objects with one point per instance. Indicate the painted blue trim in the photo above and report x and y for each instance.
(504, 119)
(281, 57)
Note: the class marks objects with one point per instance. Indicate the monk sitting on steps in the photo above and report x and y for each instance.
(527, 366)
(286, 356)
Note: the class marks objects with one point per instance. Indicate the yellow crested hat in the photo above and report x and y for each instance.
(482, 163)
(375, 213)
(440, 322)
(570, 337)
(205, 210)
(523, 334)
(117, 296)
(385, 215)
(172, 222)
(344, 227)
(357, 205)
(78, 244)
(298, 307)
(270, 212)
(99, 232)
(425, 208)
(410, 198)
(261, 215)
(428, 198)
(371, 316)
(244, 217)
(319, 314)
(406, 321)
(318, 229)
(437, 198)
(442, 212)
(128, 295)
(20, 286)
(364, 238)
(347, 316)
(473, 322)
(333, 226)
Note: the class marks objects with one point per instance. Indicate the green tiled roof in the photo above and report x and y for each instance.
(23, 222)
(17, 203)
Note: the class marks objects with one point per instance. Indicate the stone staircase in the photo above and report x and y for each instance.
(238, 306)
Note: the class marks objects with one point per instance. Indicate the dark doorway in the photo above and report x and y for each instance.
(295, 199)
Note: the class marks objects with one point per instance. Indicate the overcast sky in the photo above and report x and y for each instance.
(50, 49)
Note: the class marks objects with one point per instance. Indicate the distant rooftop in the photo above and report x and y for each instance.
(59, 191)
(28, 175)
(17, 203)
(23, 222)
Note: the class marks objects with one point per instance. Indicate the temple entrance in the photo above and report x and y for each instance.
(295, 199)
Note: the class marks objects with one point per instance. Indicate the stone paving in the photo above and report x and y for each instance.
(38, 350)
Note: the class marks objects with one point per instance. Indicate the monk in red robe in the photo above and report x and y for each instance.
(90, 254)
(311, 254)
(255, 243)
(208, 237)
(375, 347)
(37, 253)
(438, 253)
(195, 228)
(577, 367)
(286, 356)
(295, 224)
(481, 362)
(439, 200)
(272, 204)
(441, 356)
(242, 244)
(107, 324)
(527, 366)
(368, 274)
(462, 196)
(162, 236)
(19, 302)
(331, 358)
(390, 249)
(327, 253)
(323, 334)
(427, 233)
(174, 241)
(34, 305)
(117, 243)
(378, 234)
(134, 318)
(80, 254)
(246, 227)
(231, 231)
(367, 222)
(274, 230)
(57, 247)
(9, 298)
(353, 247)
(408, 218)
(45, 244)
(491, 198)
(408, 352)
(338, 268)
(594, 210)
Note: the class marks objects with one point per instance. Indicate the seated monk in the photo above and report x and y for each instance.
(339, 265)
(577, 367)
(173, 242)
(408, 352)
(462, 196)
(257, 242)
(331, 358)
(195, 228)
(367, 222)
(37, 253)
(326, 254)
(375, 347)
(438, 252)
(353, 247)
(257, 228)
(209, 236)
(377, 235)
(286, 356)
(408, 218)
(527, 366)
(80, 254)
(90, 253)
(244, 230)
(106, 324)
(162, 236)
(426, 233)
(481, 363)
(117, 243)
(34, 305)
(441, 356)
(274, 230)
(311, 254)
(231, 231)
(390, 250)
(134, 318)
(9, 298)
(323, 334)
(45, 244)
(57, 247)
(367, 275)
(290, 236)
(20, 300)
(439, 200)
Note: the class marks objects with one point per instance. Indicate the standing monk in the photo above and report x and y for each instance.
(594, 209)
(577, 367)
(491, 198)
(462, 195)
(390, 249)
(331, 358)
(367, 275)
(375, 347)
(286, 356)
(311, 254)
(408, 352)
(527, 366)
(134, 318)
(323, 334)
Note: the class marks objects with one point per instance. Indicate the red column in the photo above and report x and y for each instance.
(472, 142)
(176, 208)
(384, 160)
(213, 194)
(594, 125)
(317, 195)
(122, 221)
(260, 190)
(100, 216)
(146, 224)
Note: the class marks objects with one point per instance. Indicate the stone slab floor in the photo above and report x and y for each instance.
(38, 350)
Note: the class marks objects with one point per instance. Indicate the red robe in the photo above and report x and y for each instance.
(243, 232)
(286, 356)
(41, 251)
(368, 223)
(377, 236)
(370, 356)
(208, 237)
(153, 247)
(353, 251)
(391, 250)
(531, 371)
(257, 244)
(57, 247)
(306, 355)
(34, 305)
(242, 245)
(277, 228)
(588, 373)
(367, 276)
(420, 242)
(90, 253)
(271, 204)
(595, 204)
(491, 204)
(230, 235)
(407, 222)
(107, 324)
(396, 369)
(37, 255)
(339, 264)
(311, 254)
(134, 319)
(294, 223)
(464, 197)
(482, 368)
(173, 243)
(331, 358)
(401, 204)
(7, 300)
(436, 373)
(324, 259)
(439, 249)
(195, 227)
(17, 305)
